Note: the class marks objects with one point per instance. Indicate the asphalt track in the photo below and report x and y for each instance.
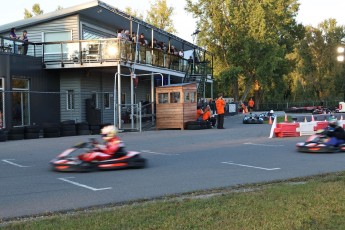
(179, 161)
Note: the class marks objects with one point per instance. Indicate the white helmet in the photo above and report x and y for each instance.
(109, 132)
(271, 111)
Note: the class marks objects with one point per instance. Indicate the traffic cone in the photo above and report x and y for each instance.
(312, 118)
(285, 118)
(243, 111)
(341, 117)
(270, 120)
(305, 119)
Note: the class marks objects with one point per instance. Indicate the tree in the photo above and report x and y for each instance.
(251, 36)
(159, 15)
(36, 10)
(59, 8)
(134, 13)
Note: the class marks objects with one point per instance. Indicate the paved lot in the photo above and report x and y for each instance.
(179, 161)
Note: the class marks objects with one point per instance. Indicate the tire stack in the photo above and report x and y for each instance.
(16, 133)
(197, 125)
(95, 129)
(51, 130)
(83, 128)
(3, 135)
(68, 128)
(32, 132)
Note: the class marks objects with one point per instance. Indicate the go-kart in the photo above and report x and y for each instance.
(266, 115)
(322, 110)
(252, 119)
(69, 161)
(317, 143)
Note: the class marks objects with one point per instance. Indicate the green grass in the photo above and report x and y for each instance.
(317, 203)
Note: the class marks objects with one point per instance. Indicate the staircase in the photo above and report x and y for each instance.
(197, 75)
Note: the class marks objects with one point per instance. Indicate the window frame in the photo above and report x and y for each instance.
(70, 94)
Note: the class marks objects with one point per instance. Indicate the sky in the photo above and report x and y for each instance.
(311, 12)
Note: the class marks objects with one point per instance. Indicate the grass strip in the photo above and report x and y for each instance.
(316, 203)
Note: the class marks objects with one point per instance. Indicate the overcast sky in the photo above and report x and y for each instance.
(311, 12)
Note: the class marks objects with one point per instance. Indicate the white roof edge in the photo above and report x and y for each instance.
(47, 16)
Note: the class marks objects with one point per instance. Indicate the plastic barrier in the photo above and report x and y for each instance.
(306, 128)
(320, 125)
(287, 130)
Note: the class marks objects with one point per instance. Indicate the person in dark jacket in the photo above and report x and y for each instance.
(335, 132)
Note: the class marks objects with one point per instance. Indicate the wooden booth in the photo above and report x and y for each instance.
(175, 105)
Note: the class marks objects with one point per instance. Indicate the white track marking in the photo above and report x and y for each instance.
(9, 161)
(263, 145)
(82, 185)
(250, 166)
(165, 154)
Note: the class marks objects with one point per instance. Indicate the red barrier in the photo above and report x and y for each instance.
(287, 130)
(320, 125)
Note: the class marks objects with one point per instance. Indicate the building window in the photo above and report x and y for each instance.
(123, 98)
(106, 100)
(70, 100)
(20, 102)
(59, 36)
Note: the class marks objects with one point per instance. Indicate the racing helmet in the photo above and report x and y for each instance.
(332, 121)
(109, 132)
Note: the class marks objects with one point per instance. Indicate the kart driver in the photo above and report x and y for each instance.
(335, 132)
(112, 146)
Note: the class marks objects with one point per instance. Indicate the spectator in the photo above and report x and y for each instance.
(199, 113)
(181, 53)
(220, 104)
(127, 36)
(208, 117)
(25, 44)
(13, 34)
(142, 40)
(120, 33)
(212, 105)
(251, 104)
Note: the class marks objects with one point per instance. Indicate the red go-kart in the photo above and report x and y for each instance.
(317, 143)
(69, 160)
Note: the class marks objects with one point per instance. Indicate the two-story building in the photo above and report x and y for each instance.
(77, 68)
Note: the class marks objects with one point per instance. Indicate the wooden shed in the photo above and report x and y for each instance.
(175, 105)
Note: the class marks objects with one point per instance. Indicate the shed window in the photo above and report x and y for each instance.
(163, 98)
(58, 36)
(175, 97)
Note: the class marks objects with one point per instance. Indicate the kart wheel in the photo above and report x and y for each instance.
(16, 130)
(32, 129)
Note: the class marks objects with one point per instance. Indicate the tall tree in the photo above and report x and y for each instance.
(36, 10)
(251, 36)
(160, 14)
(134, 13)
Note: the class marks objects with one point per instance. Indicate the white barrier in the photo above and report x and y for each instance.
(306, 128)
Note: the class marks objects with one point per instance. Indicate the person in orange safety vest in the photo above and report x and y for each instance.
(220, 104)
(251, 104)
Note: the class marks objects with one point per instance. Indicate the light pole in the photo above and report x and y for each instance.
(194, 35)
(341, 58)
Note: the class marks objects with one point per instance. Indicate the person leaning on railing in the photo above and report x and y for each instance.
(25, 43)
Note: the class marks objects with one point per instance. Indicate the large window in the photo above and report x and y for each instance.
(20, 102)
(58, 36)
(70, 100)
(90, 33)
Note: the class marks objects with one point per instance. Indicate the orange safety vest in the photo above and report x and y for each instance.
(220, 103)
(251, 103)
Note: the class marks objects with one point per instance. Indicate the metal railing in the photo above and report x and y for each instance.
(17, 46)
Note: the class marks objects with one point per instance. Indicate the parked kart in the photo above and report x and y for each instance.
(68, 160)
(322, 110)
(252, 119)
(317, 144)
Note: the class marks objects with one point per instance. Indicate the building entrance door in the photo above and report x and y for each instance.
(20, 102)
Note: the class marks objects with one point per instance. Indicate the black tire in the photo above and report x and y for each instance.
(16, 130)
(3, 137)
(69, 127)
(83, 132)
(193, 127)
(51, 130)
(31, 135)
(68, 133)
(68, 122)
(49, 135)
(95, 131)
(12, 136)
(32, 129)
(82, 126)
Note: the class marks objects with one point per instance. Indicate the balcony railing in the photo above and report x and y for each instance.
(16, 46)
(98, 51)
